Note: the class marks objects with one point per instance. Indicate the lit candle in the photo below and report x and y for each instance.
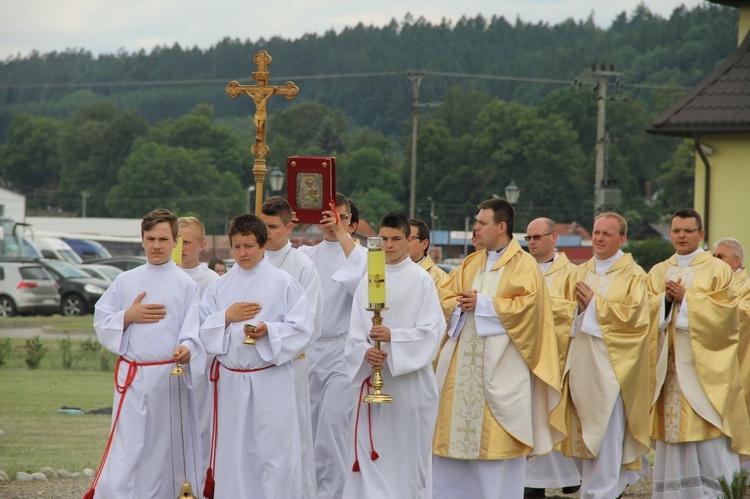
(375, 273)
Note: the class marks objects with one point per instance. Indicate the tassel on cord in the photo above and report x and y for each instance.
(355, 468)
(373, 455)
(208, 488)
(89, 494)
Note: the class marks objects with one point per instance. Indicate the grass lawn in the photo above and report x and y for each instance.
(35, 435)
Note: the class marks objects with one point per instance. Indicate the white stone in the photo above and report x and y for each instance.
(2, 433)
(41, 477)
(49, 472)
(63, 473)
(76, 474)
(3, 477)
(23, 477)
(89, 472)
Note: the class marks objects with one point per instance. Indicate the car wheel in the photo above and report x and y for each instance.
(7, 307)
(72, 305)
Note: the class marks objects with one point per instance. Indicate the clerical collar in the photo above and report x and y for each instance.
(603, 265)
(685, 260)
(498, 251)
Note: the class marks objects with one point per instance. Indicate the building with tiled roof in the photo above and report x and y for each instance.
(716, 115)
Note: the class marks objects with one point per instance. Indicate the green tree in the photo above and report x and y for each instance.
(29, 161)
(676, 182)
(649, 252)
(181, 180)
(373, 203)
(93, 146)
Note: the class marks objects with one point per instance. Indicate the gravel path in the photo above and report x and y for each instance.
(67, 488)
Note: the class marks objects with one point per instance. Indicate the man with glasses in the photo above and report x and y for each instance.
(498, 372)
(418, 243)
(552, 470)
(699, 417)
(341, 265)
(606, 375)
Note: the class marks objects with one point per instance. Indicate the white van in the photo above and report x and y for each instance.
(55, 248)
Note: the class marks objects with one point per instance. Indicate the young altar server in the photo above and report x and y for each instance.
(392, 443)
(149, 316)
(255, 446)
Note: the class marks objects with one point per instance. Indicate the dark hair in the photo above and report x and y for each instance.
(395, 220)
(277, 206)
(502, 212)
(247, 224)
(342, 201)
(214, 262)
(158, 216)
(688, 213)
(423, 233)
(354, 219)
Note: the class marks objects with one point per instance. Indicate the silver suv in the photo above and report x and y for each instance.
(27, 288)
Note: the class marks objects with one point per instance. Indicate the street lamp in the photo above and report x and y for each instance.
(276, 179)
(512, 193)
(250, 190)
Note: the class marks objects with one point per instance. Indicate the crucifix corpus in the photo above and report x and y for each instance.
(260, 94)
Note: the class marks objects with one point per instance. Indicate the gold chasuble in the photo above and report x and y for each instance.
(698, 393)
(741, 283)
(499, 394)
(563, 309)
(598, 369)
(438, 275)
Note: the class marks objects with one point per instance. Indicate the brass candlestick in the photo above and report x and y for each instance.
(249, 328)
(377, 397)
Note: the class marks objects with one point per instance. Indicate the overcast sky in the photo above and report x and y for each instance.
(106, 26)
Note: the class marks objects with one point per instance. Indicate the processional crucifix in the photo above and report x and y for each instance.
(260, 94)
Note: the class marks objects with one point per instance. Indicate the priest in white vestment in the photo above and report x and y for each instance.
(149, 317)
(341, 265)
(397, 435)
(256, 443)
(193, 236)
(277, 215)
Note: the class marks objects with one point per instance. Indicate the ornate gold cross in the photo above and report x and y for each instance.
(260, 94)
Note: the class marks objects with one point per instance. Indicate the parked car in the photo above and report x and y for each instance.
(87, 249)
(100, 271)
(79, 292)
(122, 262)
(54, 248)
(27, 288)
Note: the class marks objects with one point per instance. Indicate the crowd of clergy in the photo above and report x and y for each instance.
(515, 373)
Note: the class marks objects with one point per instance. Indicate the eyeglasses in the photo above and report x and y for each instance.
(683, 231)
(414, 238)
(536, 237)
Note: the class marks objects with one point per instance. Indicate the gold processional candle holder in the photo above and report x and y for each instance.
(249, 328)
(376, 301)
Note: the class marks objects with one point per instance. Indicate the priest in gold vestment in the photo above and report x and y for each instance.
(730, 251)
(552, 470)
(498, 373)
(606, 376)
(699, 416)
(418, 244)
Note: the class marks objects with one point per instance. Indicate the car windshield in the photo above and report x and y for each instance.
(66, 270)
(110, 272)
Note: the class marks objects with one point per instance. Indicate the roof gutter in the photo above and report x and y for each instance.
(707, 191)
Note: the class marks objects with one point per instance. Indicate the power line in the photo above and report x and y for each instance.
(328, 76)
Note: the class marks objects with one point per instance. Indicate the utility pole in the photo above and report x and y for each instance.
(606, 194)
(415, 77)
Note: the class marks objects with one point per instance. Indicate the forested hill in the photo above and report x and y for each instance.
(362, 70)
(117, 135)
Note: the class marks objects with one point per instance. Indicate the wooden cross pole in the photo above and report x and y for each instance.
(260, 94)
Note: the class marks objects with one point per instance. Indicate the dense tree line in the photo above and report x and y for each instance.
(137, 129)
